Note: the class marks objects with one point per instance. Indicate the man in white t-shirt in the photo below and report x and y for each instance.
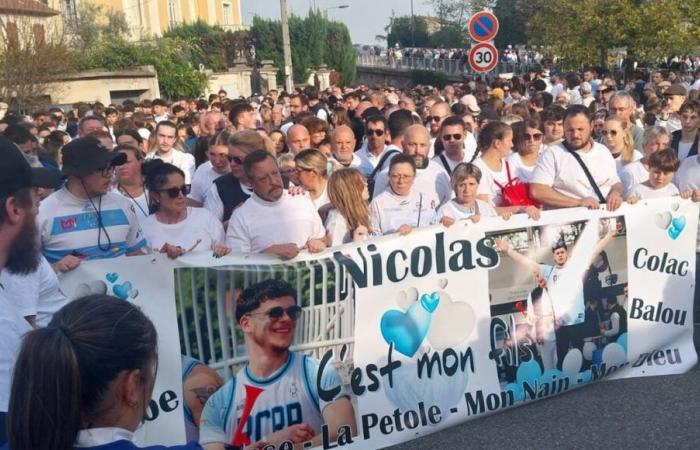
(438, 112)
(375, 146)
(298, 138)
(166, 137)
(655, 138)
(453, 135)
(272, 220)
(559, 181)
(685, 141)
(205, 174)
(343, 147)
(431, 179)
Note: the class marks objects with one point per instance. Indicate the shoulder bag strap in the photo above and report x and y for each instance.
(445, 164)
(381, 162)
(578, 159)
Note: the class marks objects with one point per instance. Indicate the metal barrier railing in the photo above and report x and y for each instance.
(206, 303)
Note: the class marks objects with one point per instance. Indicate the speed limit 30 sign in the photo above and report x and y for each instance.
(483, 57)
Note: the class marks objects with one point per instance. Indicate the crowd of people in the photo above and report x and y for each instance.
(281, 174)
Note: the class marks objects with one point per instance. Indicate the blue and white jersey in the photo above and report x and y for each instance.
(191, 429)
(289, 397)
(69, 225)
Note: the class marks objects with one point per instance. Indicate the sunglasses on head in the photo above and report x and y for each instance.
(174, 192)
(452, 137)
(277, 312)
(378, 133)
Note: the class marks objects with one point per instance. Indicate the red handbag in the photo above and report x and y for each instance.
(515, 192)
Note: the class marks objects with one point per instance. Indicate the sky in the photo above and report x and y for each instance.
(364, 18)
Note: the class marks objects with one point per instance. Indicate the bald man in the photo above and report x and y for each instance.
(437, 113)
(343, 147)
(298, 138)
(431, 178)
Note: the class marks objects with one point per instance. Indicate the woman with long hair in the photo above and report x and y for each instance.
(129, 179)
(618, 138)
(312, 169)
(172, 227)
(528, 144)
(348, 221)
(86, 379)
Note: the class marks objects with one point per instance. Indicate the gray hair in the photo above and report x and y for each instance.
(653, 133)
(623, 95)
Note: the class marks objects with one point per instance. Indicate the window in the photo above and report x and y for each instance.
(228, 14)
(39, 35)
(174, 12)
(11, 33)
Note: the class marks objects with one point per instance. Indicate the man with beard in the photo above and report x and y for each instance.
(272, 220)
(84, 219)
(559, 179)
(274, 397)
(19, 252)
(431, 178)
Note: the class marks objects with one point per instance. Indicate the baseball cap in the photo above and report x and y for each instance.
(676, 89)
(85, 155)
(470, 102)
(16, 173)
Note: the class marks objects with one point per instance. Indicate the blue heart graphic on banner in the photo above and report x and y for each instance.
(407, 330)
(112, 277)
(122, 290)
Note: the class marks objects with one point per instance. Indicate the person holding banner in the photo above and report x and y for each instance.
(465, 205)
(348, 220)
(402, 208)
(274, 398)
(561, 279)
(86, 379)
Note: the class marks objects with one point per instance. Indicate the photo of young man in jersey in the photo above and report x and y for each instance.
(274, 397)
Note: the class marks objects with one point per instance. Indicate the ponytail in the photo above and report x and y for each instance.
(491, 132)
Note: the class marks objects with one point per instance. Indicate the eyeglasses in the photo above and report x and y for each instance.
(277, 312)
(614, 110)
(378, 133)
(235, 159)
(533, 137)
(434, 118)
(174, 192)
(452, 137)
(609, 132)
(398, 177)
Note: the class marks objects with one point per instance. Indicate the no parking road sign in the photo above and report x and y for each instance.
(483, 26)
(483, 57)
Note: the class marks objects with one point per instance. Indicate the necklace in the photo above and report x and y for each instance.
(131, 197)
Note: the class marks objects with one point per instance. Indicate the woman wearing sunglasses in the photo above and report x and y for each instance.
(312, 168)
(172, 227)
(528, 144)
(618, 138)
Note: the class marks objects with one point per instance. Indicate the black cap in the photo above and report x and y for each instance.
(85, 155)
(16, 173)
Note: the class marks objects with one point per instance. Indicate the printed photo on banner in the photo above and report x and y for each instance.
(558, 304)
(280, 339)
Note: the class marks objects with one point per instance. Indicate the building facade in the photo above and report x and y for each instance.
(149, 18)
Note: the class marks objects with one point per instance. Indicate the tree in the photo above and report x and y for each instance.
(408, 32)
(340, 54)
(94, 22)
(449, 36)
(512, 16)
(220, 48)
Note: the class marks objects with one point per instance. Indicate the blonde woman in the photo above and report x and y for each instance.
(312, 170)
(618, 138)
(348, 221)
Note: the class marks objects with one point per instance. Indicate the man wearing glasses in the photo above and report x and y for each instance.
(453, 134)
(438, 112)
(372, 151)
(274, 398)
(84, 219)
(623, 105)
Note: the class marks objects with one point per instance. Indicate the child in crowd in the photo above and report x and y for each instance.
(663, 165)
(465, 183)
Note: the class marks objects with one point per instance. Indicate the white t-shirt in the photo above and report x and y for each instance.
(469, 147)
(13, 327)
(181, 160)
(557, 168)
(632, 174)
(202, 180)
(199, 224)
(258, 224)
(519, 169)
(368, 161)
(455, 211)
(688, 179)
(35, 294)
(213, 202)
(644, 192)
(337, 228)
(68, 225)
(432, 181)
(140, 203)
(636, 156)
(489, 178)
(565, 289)
(389, 211)
(322, 199)
(684, 149)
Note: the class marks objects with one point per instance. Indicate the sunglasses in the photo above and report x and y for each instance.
(452, 137)
(378, 133)
(277, 312)
(533, 137)
(609, 132)
(235, 159)
(433, 118)
(175, 191)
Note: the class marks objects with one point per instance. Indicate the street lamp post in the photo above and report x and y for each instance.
(289, 83)
(325, 10)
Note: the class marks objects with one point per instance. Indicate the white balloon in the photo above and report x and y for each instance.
(572, 362)
(614, 354)
(588, 349)
(662, 220)
(81, 290)
(98, 287)
(452, 323)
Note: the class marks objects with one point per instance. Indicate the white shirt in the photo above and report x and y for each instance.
(519, 169)
(469, 146)
(557, 168)
(684, 149)
(140, 203)
(213, 202)
(181, 160)
(636, 156)
(202, 180)
(34, 294)
(631, 174)
(432, 181)
(688, 179)
(368, 161)
(13, 327)
(489, 178)
(322, 200)
(258, 223)
(199, 224)
(337, 228)
(644, 192)
(354, 164)
(455, 211)
(94, 437)
(389, 211)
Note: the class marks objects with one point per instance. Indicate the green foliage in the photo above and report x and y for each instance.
(219, 48)
(314, 41)
(512, 18)
(449, 36)
(438, 79)
(171, 58)
(406, 32)
(95, 22)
